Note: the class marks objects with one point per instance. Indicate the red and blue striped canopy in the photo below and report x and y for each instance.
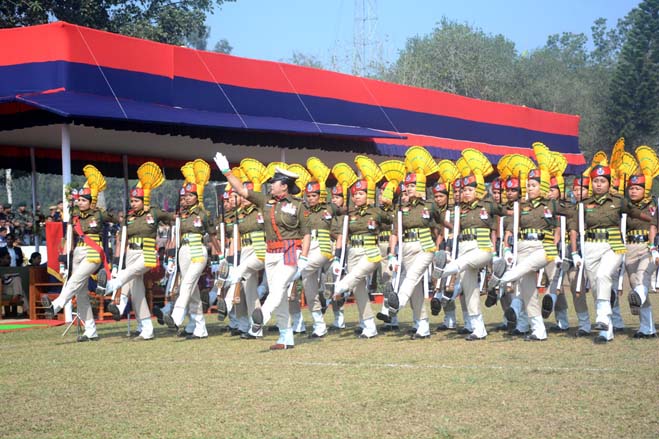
(78, 73)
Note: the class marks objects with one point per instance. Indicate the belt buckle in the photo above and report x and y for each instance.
(532, 236)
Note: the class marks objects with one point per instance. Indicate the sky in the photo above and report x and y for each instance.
(275, 29)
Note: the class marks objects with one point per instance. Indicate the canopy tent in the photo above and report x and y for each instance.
(121, 95)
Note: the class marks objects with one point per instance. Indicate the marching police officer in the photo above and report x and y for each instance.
(88, 222)
(604, 248)
(363, 253)
(417, 252)
(141, 256)
(287, 245)
(195, 223)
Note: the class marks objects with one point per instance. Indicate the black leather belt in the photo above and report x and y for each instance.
(134, 246)
(637, 239)
(532, 236)
(466, 237)
(412, 235)
(597, 235)
(356, 242)
(246, 241)
(383, 238)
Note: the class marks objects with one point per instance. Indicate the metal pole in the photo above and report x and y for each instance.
(66, 170)
(34, 200)
(124, 159)
(66, 214)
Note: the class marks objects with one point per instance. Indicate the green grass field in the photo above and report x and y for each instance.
(390, 386)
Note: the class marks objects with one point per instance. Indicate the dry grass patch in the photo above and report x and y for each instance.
(337, 387)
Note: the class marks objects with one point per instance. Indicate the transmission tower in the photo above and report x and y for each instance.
(366, 46)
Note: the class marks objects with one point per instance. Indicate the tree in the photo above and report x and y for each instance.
(198, 39)
(634, 92)
(302, 59)
(165, 21)
(459, 59)
(223, 46)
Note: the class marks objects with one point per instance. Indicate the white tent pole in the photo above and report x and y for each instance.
(283, 155)
(35, 237)
(66, 169)
(66, 181)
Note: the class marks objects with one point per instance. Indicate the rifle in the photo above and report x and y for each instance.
(344, 234)
(122, 245)
(454, 244)
(441, 263)
(399, 257)
(515, 237)
(229, 298)
(219, 213)
(623, 232)
(175, 233)
(557, 279)
(582, 243)
(656, 238)
(68, 247)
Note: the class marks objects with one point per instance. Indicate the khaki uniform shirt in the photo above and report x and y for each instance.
(92, 220)
(648, 208)
(145, 224)
(367, 220)
(418, 214)
(480, 214)
(320, 217)
(250, 219)
(286, 213)
(605, 212)
(196, 220)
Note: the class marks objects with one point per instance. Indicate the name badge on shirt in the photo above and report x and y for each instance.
(425, 214)
(653, 210)
(289, 208)
(372, 224)
(259, 218)
(484, 214)
(93, 223)
(197, 221)
(149, 219)
(548, 213)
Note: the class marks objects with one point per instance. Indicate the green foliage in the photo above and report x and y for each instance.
(634, 90)
(223, 46)
(337, 387)
(459, 59)
(302, 59)
(562, 76)
(167, 21)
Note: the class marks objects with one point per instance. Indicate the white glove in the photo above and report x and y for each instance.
(215, 265)
(508, 256)
(336, 267)
(655, 256)
(63, 271)
(393, 263)
(171, 267)
(302, 263)
(261, 290)
(114, 272)
(576, 259)
(221, 162)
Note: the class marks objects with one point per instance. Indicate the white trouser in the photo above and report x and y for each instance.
(279, 277)
(76, 285)
(189, 289)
